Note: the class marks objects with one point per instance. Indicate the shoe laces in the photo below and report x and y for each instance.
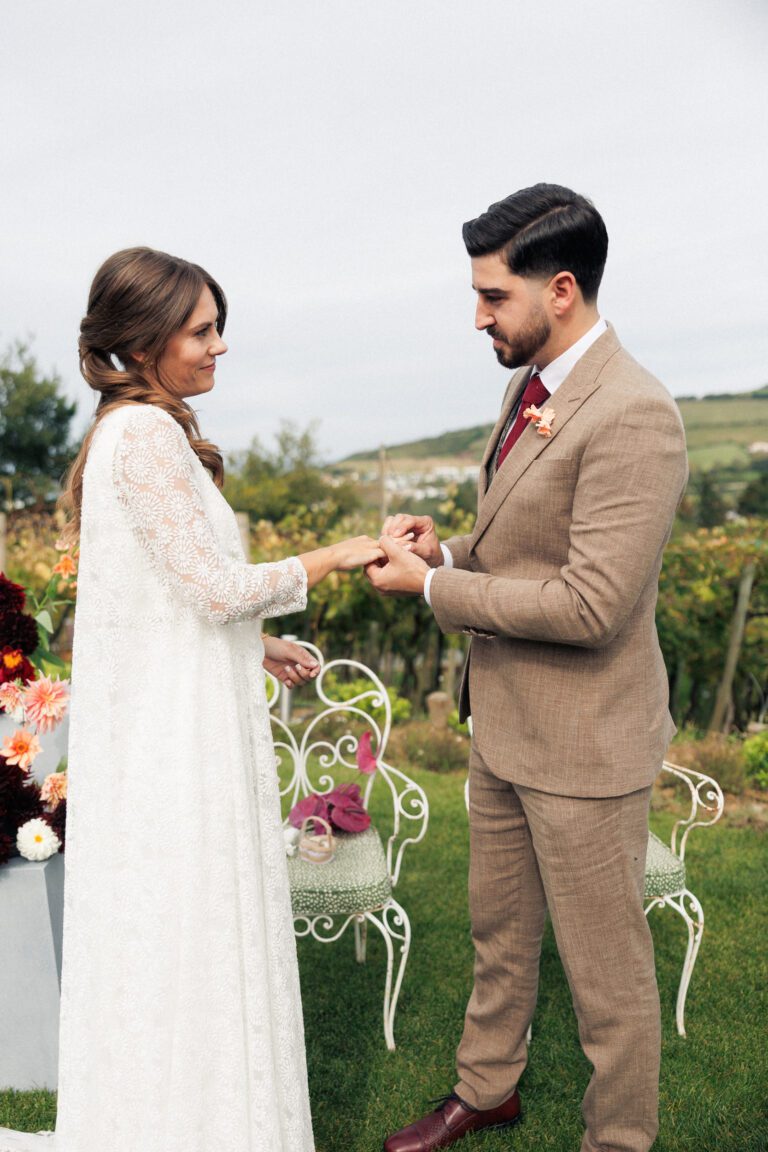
(441, 1102)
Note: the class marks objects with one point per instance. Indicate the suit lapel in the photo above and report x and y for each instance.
(515, 389)
(578, 385)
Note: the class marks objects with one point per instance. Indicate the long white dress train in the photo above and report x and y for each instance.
(181, 1025)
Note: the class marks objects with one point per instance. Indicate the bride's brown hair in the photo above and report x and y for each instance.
(138, 299)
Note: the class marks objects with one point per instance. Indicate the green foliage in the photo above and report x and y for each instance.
(756, 757)
(697, 595)
(754, 499)
(287, 481)
(337, 689)
(437, 749)
(455, 723)
(715, 755)
(35, 421)
(710, 504)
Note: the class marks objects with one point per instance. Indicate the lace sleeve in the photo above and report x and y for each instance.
(155, 478)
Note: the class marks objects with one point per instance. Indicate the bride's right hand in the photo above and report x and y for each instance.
(356, 552)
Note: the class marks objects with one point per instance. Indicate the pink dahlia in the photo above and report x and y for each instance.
(45, 702)
(12, 700)
(54, 790)
(22, 748)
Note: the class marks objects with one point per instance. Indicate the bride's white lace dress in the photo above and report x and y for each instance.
(181, 1026)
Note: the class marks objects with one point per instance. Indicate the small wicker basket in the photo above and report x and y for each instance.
(316, 847)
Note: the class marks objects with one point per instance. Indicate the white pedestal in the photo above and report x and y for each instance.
(31, 915)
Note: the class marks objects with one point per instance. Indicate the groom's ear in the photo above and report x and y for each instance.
(564, 292)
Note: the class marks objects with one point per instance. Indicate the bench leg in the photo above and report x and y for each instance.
(693, 915)
(393, 923)
(361, 938)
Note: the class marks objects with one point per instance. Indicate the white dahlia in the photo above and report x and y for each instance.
(36, 840)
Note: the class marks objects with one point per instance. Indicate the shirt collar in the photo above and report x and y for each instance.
(553, 375)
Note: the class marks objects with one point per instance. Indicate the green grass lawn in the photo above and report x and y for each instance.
(713, 1086)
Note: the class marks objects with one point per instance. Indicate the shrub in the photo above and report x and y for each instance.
(337, 689)
(456, 724)
(756, 757)
(718, 756)
(424, 746)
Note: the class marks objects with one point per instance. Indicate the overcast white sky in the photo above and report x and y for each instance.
(320, 156)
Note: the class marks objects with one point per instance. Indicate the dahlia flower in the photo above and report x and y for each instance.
(17, 630)
(12, 700)
(22, 748)
(14, 665)
(54, 789)
(12, 596)
(45, 702)
(36, 840)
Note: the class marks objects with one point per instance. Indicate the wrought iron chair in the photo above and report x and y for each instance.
(665, 871)
(666, 882)
(316, 755)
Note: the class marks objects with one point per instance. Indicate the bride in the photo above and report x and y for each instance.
(181, 1026)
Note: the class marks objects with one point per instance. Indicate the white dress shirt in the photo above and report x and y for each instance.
(551, 377)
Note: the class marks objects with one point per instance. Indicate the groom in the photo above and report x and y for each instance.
(565, 681)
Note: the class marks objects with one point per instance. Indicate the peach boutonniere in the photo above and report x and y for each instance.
(541, 418)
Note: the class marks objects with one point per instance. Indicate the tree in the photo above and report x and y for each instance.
(35, 420)
(287, 481)
(754, 499)
(711, 508)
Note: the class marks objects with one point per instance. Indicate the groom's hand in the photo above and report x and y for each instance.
(402, 573)
(424, 542)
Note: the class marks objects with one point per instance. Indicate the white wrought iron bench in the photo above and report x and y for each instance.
(314, 756)
(666, 881)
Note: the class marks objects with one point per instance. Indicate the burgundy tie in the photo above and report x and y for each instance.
(535, 393)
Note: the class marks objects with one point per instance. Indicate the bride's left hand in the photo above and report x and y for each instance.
(288, 662)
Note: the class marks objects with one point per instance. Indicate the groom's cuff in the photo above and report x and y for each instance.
(447, 563)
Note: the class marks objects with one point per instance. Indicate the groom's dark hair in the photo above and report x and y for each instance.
(541, 231)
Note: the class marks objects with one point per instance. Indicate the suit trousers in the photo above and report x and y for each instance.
(584, 860)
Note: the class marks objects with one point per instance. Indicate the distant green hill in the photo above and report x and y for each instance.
(718, 429)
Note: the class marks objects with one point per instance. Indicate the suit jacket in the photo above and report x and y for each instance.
(557, 584)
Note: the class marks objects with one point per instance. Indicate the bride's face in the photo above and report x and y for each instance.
(188, 363)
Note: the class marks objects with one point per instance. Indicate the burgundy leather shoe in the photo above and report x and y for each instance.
(449, 1122)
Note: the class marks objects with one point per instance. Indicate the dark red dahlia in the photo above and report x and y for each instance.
(15, 666)
(19, 802)
(18, 631)
(58, 821)
(7, 846)
(12, 596)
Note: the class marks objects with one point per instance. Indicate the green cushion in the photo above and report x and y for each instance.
(664, 872)
(356, 880)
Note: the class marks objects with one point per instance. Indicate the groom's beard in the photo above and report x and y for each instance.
(521, 348)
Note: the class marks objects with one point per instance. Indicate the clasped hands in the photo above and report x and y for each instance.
(411, 548)
(407, 549)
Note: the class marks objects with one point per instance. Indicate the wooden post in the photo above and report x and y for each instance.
(3, 527)
(720, 713)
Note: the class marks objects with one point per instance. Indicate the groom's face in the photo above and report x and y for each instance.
(510, 309)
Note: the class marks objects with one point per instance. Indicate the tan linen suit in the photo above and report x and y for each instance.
(568, 693)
